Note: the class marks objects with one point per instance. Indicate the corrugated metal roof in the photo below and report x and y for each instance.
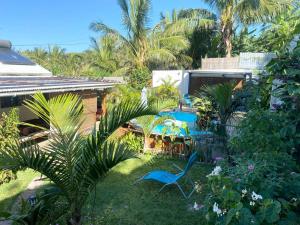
(11, 86)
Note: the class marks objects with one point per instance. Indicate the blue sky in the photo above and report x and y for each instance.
(37, 23)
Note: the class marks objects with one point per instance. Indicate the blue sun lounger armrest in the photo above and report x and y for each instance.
(168, 178)
(187, 100)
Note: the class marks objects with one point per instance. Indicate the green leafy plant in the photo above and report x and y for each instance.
(205, 111)
(147, 124)
(73, 162)
(173, 129)
(233, 201)
(142, 46)
(134, 142)
(246, 12)
(9, 133)
(224, 103)
(46, 208)
(265, 157)
(167, 90)
(138, 78)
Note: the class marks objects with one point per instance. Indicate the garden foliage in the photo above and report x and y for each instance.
(262, 185)
(9, 132)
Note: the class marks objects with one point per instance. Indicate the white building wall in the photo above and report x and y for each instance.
(181, 78)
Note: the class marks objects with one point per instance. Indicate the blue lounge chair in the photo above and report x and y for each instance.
(169, 178)
(188, 100)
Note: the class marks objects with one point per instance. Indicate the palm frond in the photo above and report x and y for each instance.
(250, 11)
(125, 14)
(161, 54)
(121, 114)
(175, 42)
(148, 123)
(63, 113)
(222, 97)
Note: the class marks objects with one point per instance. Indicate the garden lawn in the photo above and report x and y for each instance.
(120, 202)
(10, 191)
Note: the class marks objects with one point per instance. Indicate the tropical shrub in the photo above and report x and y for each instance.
(139, 78)
(230, 202)
(147, 124)
(286, 68)
(266, 156)
(224, 102)
(173, 129)
(44, 208)
(167, 91)
(205, 111)
(121, 93)
(281, 30)
(9, 133)
(134, 142)
(265, 131)
(73, 162)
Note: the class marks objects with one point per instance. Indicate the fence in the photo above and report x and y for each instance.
(220, 63)
(258, 61)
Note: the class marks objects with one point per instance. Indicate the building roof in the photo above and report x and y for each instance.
(26, 85)
(20, 76)
(229, 73)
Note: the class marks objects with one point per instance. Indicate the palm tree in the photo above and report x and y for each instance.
(187, 20)
(167, 90)
(38, 55)
(148, 123)
(105, 52)
(280, 32)
(224, 103)
(232, 12)
(141, 44)
(200, 27)
(73, 162)
(56, 59)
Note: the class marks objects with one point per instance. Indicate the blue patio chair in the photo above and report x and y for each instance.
(188, 100)
(169, 178)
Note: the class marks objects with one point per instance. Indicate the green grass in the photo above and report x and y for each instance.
(120, 202)
(10, 191)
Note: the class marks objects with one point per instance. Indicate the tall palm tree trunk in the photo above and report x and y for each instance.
(228, 43)
(227, 32)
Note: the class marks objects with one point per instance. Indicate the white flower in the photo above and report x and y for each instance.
(252, 203)
(255, 196)
(216, 209)
(294, 199)
(215, 172)
(244, 192)
(196, 207)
